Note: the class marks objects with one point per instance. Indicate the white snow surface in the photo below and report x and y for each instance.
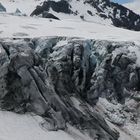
(93, 27)
(25, 6)
(26, 127)
(18, 26)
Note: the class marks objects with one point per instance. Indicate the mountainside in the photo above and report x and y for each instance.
(117, 14)
(70, 75)
(134, 6)
(30, 27)
(25, 6)
(102, 11)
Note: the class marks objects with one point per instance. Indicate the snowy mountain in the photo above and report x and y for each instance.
(102, 11)
(25, 6)
(71, 75)
(92, 10)
(134, 6)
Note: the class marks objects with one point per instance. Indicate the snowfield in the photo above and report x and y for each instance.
(26, 127)
(25, 6)
(28, 27)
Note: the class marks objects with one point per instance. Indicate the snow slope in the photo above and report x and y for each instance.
(14, 26)
(134, 6)
(28, 6)
(25, 6)
(26, 127)
(101, 11)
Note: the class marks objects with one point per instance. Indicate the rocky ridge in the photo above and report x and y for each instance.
(117, 14)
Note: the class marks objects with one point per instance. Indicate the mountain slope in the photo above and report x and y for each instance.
(101, 11)
(77, 78)
(25, 6)
(134, 6)
(27, 127)
(21, 27)
(89, 9)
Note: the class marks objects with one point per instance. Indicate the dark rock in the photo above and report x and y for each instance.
(120, 15)
(60, 6)
(45, 14)
(2, 8)
(89, 12)
(17, 11)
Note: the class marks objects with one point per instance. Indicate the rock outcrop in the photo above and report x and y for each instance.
(49, 15)
(120, 15)
(58, 6)
(2, 8)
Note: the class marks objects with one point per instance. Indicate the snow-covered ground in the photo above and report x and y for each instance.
(17, 26)
(26, 127)
(70, 25)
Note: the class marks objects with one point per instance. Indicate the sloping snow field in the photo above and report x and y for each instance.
(17, 26)
(26, 127)
(25, 6)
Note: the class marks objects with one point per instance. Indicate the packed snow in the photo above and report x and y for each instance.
(28, 127)
(25, 6)
(18, 26)
(25, 127)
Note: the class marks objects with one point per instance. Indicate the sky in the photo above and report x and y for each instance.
(122, 1)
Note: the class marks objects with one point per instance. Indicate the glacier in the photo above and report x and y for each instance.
(72, 82)
(76, 78)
